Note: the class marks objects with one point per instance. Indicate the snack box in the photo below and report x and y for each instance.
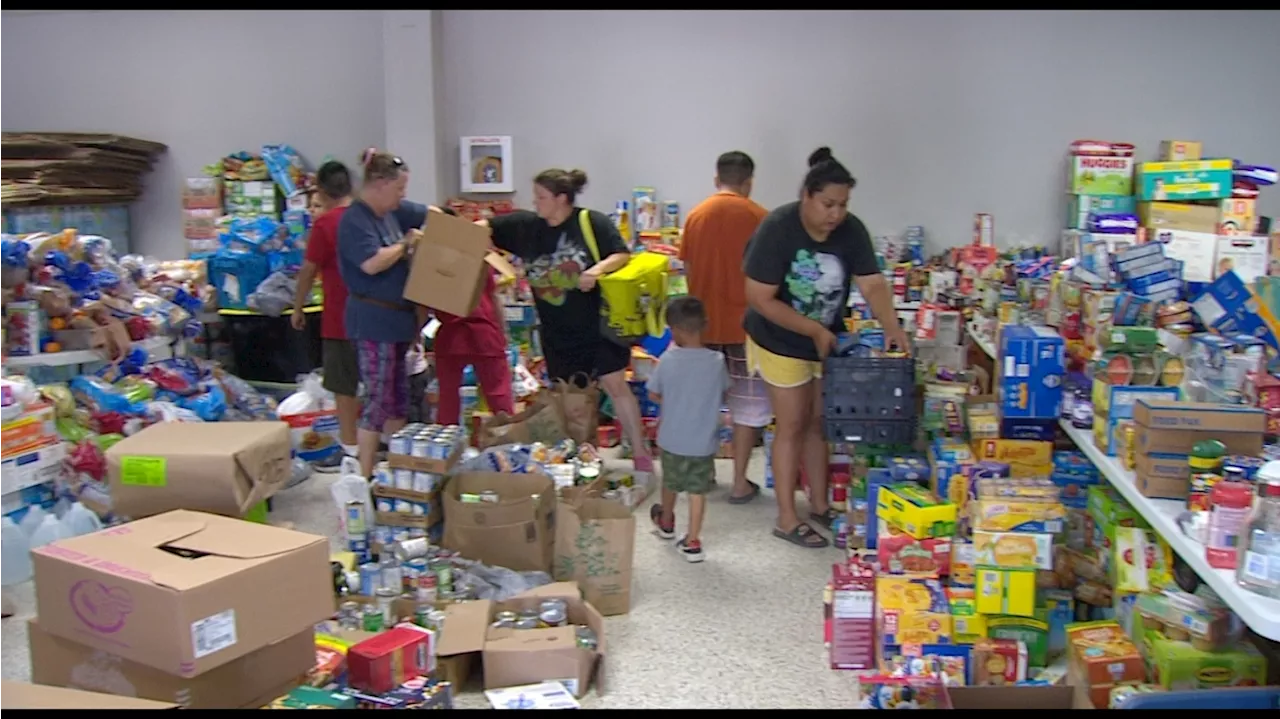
(1104, 656)
(900, 553)
(916, 511)
(967, 626)
(1178, 666)
(1031, 632)
(912, 610)
(997, 662)
(1013, 550)
(948, 663)
(1002, 514)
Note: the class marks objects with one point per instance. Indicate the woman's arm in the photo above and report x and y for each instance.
(360, 244)
(511, 231)
(613, 250)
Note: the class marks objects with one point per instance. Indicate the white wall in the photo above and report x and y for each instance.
(939, 114)
(205, 83)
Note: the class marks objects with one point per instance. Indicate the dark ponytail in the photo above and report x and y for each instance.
(825, 169)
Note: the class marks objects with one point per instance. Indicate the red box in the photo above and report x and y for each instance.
(382, 663)
(903, 554)
(851, 616)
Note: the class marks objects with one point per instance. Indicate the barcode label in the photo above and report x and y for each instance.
(214, 633)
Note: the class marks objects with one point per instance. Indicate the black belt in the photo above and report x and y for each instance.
(395, 307)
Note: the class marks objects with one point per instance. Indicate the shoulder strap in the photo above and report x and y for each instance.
(589, 233)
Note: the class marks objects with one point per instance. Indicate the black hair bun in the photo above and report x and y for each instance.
(821, 155)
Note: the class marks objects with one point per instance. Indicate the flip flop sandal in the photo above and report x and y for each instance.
(802, 536)
(755, 492)
(826, 519)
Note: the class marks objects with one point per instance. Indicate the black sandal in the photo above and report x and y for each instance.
(826, 519)
(755, 492)
(802, 536)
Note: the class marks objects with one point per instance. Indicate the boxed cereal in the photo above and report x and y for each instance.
(912, 610)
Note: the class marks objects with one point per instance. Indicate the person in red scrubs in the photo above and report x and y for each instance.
(477, 340)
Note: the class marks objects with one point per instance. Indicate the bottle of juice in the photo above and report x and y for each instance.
(1259, 569)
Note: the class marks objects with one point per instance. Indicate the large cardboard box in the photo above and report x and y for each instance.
(1173, 427)
(516, 532)
(183, 592)
(1179, 216)
(17, 695)
(247, 682)
(515, 657)
(225, 468)
(448, 266)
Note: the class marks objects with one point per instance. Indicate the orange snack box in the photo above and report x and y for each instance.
(1104, 656)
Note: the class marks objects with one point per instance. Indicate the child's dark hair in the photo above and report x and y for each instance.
(687, 313)
(825, 170)
(334, 180)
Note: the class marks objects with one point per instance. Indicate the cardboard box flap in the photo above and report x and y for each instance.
(19, 695)
(467, 622)
(553, 590)
(235, 539)
(534, 640)
(456, 233)
(499, 263)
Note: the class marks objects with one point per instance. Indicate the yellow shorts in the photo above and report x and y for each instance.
(780, 371)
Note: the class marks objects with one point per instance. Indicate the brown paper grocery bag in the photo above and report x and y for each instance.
(579, 409)
(595, 546)
(539, 422)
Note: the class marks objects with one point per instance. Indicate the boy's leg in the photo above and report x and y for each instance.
(663, 514)
(699, 478)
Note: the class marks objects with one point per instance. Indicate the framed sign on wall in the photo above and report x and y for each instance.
(486, 164)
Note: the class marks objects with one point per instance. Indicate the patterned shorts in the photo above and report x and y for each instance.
(384, 376)
(748, 396)
(689, 475)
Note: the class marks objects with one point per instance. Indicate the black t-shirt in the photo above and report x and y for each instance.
(813, 278)
(554, 258)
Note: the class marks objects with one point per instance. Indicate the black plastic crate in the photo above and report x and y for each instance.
(869, 399)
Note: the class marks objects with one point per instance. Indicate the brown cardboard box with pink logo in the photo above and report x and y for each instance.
(183, 592)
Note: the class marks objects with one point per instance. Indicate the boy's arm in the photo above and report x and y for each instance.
(654, 385)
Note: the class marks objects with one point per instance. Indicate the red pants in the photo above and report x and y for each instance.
(494, 374)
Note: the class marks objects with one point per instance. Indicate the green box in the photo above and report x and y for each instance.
(1183, 181)
(1178, 666)
(1100, 176)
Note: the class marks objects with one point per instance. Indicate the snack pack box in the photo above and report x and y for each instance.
(1178, 666)
(1013, 550)
(997, 662)
(912, 611)
(1104, 656)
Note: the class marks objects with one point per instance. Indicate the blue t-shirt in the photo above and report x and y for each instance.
(692, 382)
(361, 233)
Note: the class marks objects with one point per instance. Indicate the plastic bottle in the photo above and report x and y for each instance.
(50, 530)
(1259, 570)
(15, 553)
(1229, 504)
(32, 520)
(79, 520)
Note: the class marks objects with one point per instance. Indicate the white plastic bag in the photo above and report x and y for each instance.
(312, 416)
(352, 488)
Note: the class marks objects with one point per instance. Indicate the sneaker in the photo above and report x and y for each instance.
(666, 530)
(329, 464)
(692, 551)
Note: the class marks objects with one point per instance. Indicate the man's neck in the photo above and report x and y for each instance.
(727, 190)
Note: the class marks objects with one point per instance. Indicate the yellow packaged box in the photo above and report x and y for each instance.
(1002, 514)
(915, 511)
(1006, 591)
(1012, 550)
(1025, 457)
(967, 626)
(912, 610)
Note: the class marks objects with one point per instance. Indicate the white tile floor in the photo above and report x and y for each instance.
(741, 630)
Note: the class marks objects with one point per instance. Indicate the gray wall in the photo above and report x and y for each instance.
(205, 83)
(938, 114)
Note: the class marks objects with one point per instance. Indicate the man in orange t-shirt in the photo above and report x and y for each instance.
(715, 238)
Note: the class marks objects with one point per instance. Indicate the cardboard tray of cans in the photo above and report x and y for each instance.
(409, 509)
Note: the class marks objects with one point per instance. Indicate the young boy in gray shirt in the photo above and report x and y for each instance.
(689, 384)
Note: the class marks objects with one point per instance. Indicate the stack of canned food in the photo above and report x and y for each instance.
(427, 441)
(549, 613)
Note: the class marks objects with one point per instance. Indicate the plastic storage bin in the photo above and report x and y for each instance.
(869, 399)
(1208, 699)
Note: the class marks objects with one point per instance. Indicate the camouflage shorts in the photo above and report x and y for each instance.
(691, 475)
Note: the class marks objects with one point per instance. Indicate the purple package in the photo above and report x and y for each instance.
(1113, 223)
(987, 469)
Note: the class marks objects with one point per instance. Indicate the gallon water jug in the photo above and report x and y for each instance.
(79, 520)
(32, 520)
(15, 553)
(50, 530)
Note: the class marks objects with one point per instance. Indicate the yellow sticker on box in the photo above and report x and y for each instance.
(143, 471)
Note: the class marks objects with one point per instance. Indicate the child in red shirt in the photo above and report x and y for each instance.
(477, 340)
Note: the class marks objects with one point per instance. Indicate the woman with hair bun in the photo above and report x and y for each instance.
(563, 276)
(799, 266)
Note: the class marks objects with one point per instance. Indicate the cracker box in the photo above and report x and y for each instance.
(1104, 656)
(912, 610)
(915, 511)
(997, 662)
(1100, 176)
(1180, 150)
(1013, 550)
(1183, 181)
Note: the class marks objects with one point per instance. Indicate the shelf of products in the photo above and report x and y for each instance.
(157, 347)
(1259, 613)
